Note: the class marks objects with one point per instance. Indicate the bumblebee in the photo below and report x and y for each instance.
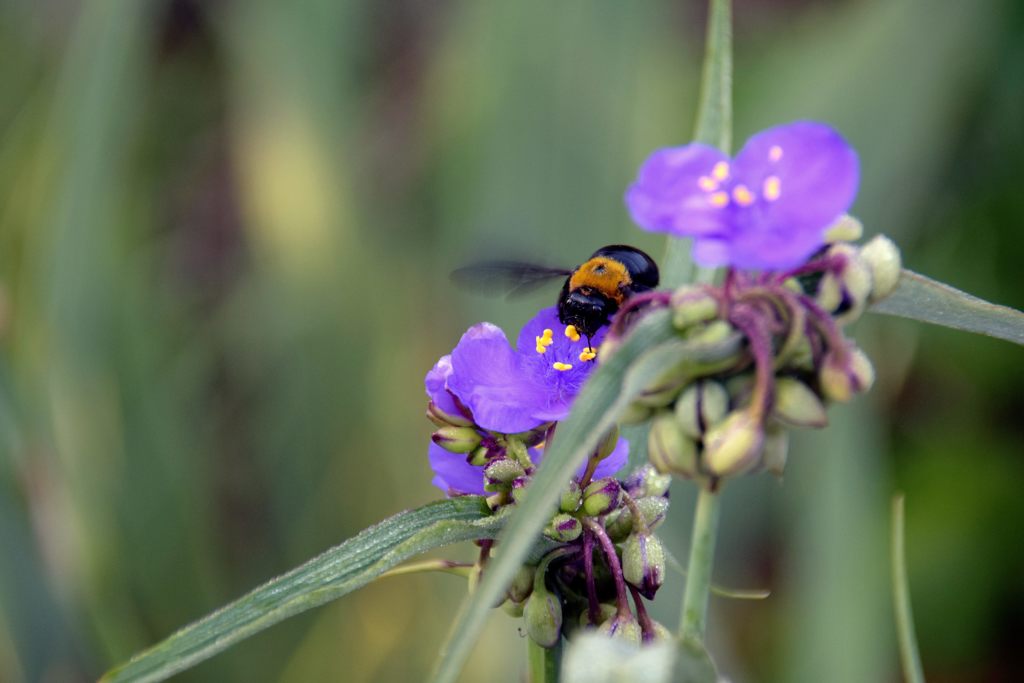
(592, 293)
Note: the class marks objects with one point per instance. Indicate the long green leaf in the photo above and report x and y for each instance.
(645, 355)
(920, 298)
(338, 571)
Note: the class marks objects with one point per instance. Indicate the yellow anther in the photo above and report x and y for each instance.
(719, 200)
(775, 153)
(772, 188)
(561, 367)
(544, 341)
(742, 195)
(720, 171)
(548, 334)
(571, 333)
(540, 347)
(707, 184)
(588, 353)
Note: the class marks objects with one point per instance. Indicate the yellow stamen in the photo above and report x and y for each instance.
(544, 341)
(720, 171)
(775, 153)
(772, 188)
(571, 333)
(540, 347)
(588, 353)
(548, 334)
(561, 367)
(742, 195)
(719, 200)
(707, 184)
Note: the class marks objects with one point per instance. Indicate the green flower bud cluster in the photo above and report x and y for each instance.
(764, 352)
(604, 552)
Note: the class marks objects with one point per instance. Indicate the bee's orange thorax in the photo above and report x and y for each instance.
(604, 275)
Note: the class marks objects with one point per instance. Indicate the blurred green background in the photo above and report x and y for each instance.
(226, 231)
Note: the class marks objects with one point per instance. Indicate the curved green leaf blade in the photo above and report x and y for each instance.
(338, 571)
(644, 355)
(920, 298)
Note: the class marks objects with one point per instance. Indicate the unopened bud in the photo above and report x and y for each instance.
(702, 405)
(653, 510)
(845, 290)
(572, 497)
(456, 439)
(512, 608)
(503, 471)
(776, 450)
(522, 584)
(845, 229)
(619, 524)
(606, 612)
(608, 443)
(622, 627)
(543, 616)
(795, 404)
(692, 305)
(669, 449)
(443, 419)
(601, 497)
(646, 481)
(635, 414)
(882, 257)
(733, 446)
(844, 375)
(563, 528)
(479, 457)
(643, 563)
(658, 634)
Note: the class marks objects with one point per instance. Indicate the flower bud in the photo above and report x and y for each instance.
(845, 290)
(513, 609)
(795, 404)
(456, 439)
(608, 443)
(776, 450)
(619, 524)
(563, 528)
(443, 419)
(842, 377)
(522, 584)
(646, 481)
(643, 563)
(623, 627)
(653, 510)
(692, 305)
(733, 446)
(845, 229)
(572, 497)
(480, 456)
(669, 449)
(503, 471)
(635, 414)
(659, 634)
(543, 616)
(607, 612)
(601, 497)
(702, 405)
(882, 257)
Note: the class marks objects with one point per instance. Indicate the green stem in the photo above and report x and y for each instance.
(545, 662)
(910, 658)
(698, 572)
(714, 127)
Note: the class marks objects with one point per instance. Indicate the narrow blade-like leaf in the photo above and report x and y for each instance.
(331, 575)
(920, 298)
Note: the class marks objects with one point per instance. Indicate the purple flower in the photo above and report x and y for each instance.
(767, 209)
(511, 391)
(455, 476)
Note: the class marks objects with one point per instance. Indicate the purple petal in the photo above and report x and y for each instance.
(551, 390)
(453, 475)
(673, 191)
(802, 177)
(487, 379)
(436, 383)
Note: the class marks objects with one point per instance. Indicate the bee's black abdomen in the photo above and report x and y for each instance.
(643, 271)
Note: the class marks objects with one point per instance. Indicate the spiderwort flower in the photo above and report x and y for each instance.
(510, 390)
(766, 209)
